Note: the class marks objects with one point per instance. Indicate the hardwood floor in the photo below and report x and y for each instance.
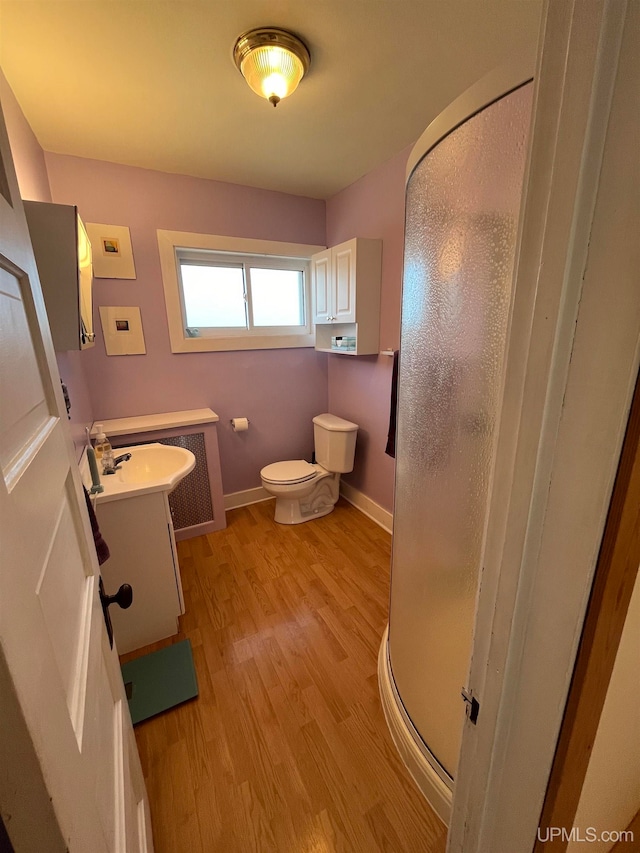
(286, 747)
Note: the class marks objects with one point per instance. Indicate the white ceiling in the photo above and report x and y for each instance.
(152, 82)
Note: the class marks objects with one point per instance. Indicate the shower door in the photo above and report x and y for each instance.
(462, 208)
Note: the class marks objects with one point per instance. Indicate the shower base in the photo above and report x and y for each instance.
(431, 779)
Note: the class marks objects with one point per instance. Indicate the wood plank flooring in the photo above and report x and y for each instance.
(286, 748)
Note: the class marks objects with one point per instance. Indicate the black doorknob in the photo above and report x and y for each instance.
(123, 598)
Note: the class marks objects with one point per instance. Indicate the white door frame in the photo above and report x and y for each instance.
(572, 361)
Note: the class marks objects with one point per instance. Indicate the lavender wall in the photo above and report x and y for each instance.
(71, 366)
(360, 388)
(33, 180)
(278, 390)
(28, 156)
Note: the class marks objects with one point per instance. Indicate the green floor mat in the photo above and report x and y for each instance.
(160, 680)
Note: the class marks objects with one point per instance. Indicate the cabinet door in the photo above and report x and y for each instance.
(321, 286)
(63, 255)
(344, 282)
(141, 546)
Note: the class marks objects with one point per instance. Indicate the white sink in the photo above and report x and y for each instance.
(152, 468)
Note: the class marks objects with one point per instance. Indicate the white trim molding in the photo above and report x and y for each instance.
(382, 517)
(170, 241)
(234, 500)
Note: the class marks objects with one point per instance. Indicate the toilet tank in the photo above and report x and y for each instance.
(335, 443)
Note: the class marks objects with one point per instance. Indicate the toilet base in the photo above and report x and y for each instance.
(290, 512)
(305, 507)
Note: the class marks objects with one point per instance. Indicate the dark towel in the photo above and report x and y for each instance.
(391, 440)
(102, 549)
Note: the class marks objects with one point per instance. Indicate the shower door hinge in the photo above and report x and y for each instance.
(473, 706)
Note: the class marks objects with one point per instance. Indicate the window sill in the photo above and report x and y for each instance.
(238, 343)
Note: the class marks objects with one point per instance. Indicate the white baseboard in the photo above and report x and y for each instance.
(436, 791)
(360, 501)
(370, 508)
(248, 496)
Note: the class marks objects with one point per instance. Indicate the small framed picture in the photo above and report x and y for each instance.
(112, 251)
(122, 330)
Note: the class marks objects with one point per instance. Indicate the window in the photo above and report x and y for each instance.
(224, 294)
(220, 297)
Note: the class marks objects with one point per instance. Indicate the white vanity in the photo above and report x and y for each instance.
(135, 520)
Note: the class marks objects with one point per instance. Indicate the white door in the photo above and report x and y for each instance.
(71, 733)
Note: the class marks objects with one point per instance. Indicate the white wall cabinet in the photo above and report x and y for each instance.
(345, 283)
(139, 533)
(63, 255)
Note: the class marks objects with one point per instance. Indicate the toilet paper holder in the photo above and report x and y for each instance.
(239, 424)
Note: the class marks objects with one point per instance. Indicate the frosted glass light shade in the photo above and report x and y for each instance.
(272, 61)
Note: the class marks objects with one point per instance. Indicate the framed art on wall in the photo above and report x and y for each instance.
(112, 251)
(122, 330)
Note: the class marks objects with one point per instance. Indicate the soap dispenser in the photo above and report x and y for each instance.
(102, 442)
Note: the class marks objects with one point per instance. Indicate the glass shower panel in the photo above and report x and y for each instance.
(462, 209)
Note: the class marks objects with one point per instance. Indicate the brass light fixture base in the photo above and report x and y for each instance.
(254, 45)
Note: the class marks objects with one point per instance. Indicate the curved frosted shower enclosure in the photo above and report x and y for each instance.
(462, 205)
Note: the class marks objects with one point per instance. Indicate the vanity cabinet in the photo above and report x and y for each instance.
(63, 256)
(139, 533)
(345, 282)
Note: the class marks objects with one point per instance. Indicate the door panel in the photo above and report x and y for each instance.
(135, 823)
(344, 289)
(64, 591)
(25, 411)
(321, 272)
(107, 781)
(65, 679)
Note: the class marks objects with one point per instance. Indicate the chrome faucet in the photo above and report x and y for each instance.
(110, 467)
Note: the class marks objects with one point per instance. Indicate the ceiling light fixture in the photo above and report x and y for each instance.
(272, 61)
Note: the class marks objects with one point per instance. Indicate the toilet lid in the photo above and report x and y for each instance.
(295, 471)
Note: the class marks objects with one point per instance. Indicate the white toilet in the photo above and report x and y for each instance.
(304, 491)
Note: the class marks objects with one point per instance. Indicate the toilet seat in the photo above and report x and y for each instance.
(289, 473)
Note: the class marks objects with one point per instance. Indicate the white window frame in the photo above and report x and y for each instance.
(170, 242)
